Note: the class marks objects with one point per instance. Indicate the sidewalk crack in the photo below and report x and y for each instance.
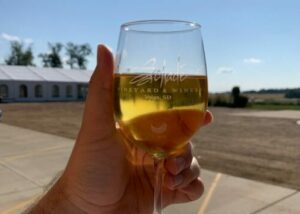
(275, 202)
(21, 174)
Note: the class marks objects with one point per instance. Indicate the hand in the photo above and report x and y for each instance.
(105, 176)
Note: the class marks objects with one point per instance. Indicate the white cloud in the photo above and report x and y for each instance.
(252, 60)
(28, 41)
(10, 38)
(151, 61)
(225, 70)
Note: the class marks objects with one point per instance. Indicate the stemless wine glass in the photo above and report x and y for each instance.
(160, 88)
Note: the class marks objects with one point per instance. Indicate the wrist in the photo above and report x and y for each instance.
(56, 201)
(65, 198)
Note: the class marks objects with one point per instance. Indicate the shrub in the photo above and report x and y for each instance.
(239, 101)
(294, 93)
(220, 100)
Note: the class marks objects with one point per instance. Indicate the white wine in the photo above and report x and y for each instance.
(158, 112)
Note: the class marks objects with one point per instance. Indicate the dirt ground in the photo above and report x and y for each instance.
(264, 149)
(63, 119)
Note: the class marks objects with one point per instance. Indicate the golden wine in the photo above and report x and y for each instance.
(159, 112)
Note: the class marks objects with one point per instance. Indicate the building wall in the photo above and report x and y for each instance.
(16, 94)
(10, 87)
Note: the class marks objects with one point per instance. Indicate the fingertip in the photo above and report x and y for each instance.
(99, 53)
(209, 118)
(102, 52)
(175, 165)
(194, 190)
(170, 166)
(109, 49)
(173, 181)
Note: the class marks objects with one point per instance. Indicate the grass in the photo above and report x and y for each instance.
(258, 101)
(274, 106)
(58, 118)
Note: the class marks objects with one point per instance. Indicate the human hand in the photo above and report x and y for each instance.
(107, 175)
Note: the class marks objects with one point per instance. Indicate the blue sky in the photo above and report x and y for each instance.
(251, 43)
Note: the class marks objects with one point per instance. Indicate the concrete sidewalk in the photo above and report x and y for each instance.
(30, 159)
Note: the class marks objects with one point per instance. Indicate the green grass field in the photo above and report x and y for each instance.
(274, 106)
(258, 101)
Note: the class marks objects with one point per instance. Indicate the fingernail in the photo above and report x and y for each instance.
(180, 162)
(177, 180)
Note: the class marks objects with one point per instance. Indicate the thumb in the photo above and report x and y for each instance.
(98, 118)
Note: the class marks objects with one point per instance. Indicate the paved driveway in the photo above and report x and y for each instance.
(30, 159)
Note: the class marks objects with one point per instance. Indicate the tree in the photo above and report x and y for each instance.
(293, 93)
(84, 51)
(235, 92)
(52, 59)
(77, 54)
(19, 56)
(238, 100)
(71, 50)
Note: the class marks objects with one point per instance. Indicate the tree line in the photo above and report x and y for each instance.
(76, 55)
(293, 93)
(288, 92)
(234, 99)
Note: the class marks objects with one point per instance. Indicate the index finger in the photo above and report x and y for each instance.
(176, 164)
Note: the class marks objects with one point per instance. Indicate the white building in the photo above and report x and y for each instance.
(32, 84)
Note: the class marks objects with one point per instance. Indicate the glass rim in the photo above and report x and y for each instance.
(188, 26)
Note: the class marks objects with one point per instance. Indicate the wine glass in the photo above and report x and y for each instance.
(160, 88)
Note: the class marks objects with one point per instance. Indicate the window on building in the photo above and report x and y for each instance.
(69, 91)
(38, 91)
(3, 91)
(81, 91)
(55, 91)
(23, 92)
